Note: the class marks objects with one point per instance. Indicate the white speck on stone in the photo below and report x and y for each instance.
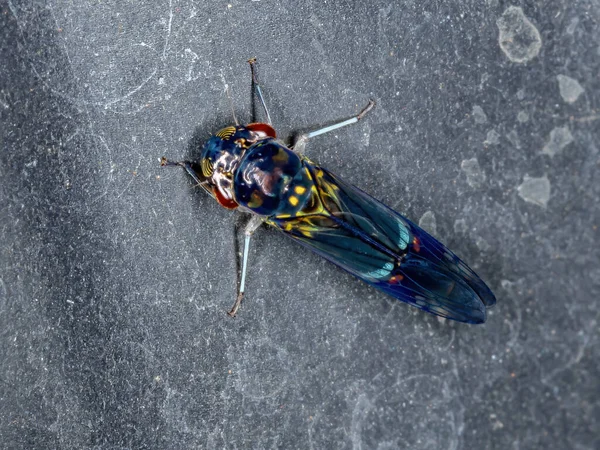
(521, 94)
(497, 425)
(428, 222)
(460, 226)
(492, 138)
(519, 39)
(573, 25)
(523, 117)
(559, 138)
(513, 137)
(479, 114)
(506, 284)
(482, 244)
(366, 138)
(471, 168)
(535, 190)
(569, 88)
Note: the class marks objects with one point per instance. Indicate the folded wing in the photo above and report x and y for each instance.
(381, 247)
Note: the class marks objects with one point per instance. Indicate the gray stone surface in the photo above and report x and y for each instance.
(428, 223)
(115, 275)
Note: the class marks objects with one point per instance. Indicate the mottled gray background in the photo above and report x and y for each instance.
(115, 274)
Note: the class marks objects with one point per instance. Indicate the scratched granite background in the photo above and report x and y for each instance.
(115, 275)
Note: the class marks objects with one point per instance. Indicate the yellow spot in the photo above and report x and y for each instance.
(255, 200)
(293, 200)
(288, 226)
(299, 190)
(281, 156)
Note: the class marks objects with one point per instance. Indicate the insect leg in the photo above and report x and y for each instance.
(256, 85)
(249, 230)
(187, 166)
(301, 140)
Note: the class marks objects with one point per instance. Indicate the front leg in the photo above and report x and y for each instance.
(250, 228)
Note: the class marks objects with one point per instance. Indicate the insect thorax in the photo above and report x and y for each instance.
(272, 180)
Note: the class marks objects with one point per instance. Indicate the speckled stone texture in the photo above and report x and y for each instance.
(115, 274)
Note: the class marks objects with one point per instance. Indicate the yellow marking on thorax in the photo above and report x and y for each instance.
(313, 198)
(281, 156)
(241, 142)
(293, 200)
(255, 200)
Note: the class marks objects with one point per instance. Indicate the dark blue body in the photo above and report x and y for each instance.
(356, 232)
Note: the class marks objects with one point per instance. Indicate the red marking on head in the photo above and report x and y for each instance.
(416, 244)
(263, 130)
(225, 202)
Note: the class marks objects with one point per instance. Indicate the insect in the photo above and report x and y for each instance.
(246, 167)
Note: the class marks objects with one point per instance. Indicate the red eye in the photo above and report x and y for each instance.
(263, 130)
(224, 201)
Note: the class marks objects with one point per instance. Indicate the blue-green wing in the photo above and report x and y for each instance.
(373, 242)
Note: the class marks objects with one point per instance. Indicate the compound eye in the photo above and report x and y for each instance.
(263, 130)
(207, 167)
(223, 200)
